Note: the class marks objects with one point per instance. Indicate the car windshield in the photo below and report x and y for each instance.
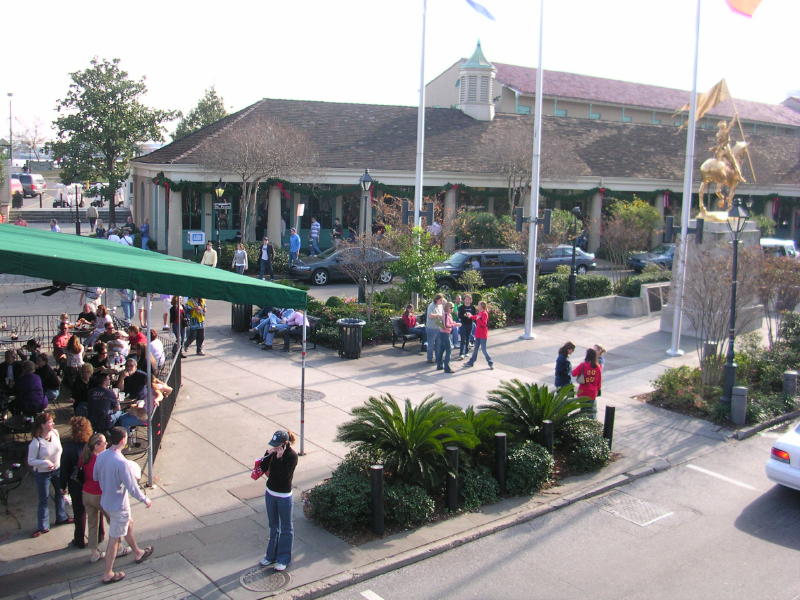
(661, 250)
(456, 260)
(328, 252)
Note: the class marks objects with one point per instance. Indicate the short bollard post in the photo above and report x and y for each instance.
(452, 478)
(608, 425)
(790, 384)
(376, 472)
(548, 433)
(739, 405)
(500, 459)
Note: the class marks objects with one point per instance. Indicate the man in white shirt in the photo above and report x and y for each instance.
(157, 348)
(209, 256)
(113, 236)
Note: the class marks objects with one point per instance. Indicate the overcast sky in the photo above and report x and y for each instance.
(368, 51)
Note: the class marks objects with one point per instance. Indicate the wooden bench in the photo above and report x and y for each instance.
(400, 333)
(296, 333)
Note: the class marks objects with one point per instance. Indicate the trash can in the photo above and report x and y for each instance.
(16, 200)
(350, 333)
(240, 316)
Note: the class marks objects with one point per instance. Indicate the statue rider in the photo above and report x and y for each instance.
(722, 149)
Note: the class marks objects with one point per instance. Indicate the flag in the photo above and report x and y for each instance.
(743, 7)
(705, 102)
(481, 9)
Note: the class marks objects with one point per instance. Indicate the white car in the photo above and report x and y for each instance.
(783, 465)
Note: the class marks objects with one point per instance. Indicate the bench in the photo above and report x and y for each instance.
(296, 333)
(401, 333)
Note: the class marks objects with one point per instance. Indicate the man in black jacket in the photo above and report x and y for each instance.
(10, 371)
(265, 256)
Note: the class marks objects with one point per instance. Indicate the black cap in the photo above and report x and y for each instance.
(278, 438)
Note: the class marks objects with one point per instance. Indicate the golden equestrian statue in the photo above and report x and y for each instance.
(724, 170)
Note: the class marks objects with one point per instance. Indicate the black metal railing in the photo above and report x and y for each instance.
(163, 411)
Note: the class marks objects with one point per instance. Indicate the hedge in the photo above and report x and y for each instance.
(632, 286)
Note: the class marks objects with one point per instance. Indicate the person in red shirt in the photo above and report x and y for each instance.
(481, 334)
(135, 336)
(410, 321)
(60, 342)
(590, 377)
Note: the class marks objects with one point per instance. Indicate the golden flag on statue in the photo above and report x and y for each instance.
(705, 102)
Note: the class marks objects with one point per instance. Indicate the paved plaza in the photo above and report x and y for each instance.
(207, 522)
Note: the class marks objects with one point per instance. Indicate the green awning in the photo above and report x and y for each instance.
(98, 262)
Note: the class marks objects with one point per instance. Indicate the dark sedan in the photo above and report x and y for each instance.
(552, 258)
(661, 256)
(345, 264)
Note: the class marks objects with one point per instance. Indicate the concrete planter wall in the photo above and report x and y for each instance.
(621, 306)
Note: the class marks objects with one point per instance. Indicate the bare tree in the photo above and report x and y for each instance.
(778, 291)
(34, 138)
(361, 261)
(260, 150)
(513, 159)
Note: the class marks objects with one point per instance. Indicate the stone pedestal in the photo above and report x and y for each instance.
(716, 241)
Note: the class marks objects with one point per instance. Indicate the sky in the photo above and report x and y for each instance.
(368, 51)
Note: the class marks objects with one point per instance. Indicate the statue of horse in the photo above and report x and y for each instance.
(722, 175)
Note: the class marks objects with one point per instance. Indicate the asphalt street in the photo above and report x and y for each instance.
(713, 527)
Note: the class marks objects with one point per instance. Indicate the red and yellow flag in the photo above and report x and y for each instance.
(744, 7)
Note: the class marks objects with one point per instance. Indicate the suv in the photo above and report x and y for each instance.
(775, 247)
(497, 267)
(33, 184)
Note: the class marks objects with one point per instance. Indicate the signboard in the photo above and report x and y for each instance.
(301, 208)
(195, 237)
(222, 205)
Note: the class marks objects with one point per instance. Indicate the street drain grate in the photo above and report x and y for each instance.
(265, 579)
(632, 509)
(293, 395)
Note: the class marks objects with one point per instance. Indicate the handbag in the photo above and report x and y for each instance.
(581, 378)
(256, 473)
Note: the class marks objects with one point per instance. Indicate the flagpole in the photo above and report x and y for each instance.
(533, 211)
(420, 122)
(686, 206)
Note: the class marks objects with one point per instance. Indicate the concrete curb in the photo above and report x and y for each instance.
(743, 434)
(334, 583)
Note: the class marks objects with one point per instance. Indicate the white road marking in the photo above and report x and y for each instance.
(657, 519)
(722, 477)
(370, 595)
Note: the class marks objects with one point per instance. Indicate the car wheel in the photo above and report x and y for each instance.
(446, 285)
(511, 281)
(385, 276)
(320, 277)
(581, 269)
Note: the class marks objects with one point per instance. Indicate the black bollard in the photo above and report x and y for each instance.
(500, 459)
(377, 499)
(608, 425)
(452, 478)
(548, 435)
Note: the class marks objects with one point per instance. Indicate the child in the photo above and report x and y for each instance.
(443, 347)
(465, 313)
(601, 360)
(563, 366)
(454, 337)
(590, 379)
(481, 335)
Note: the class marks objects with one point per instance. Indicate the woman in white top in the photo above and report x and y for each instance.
(44, 457)
(101, 318)
(239, 263)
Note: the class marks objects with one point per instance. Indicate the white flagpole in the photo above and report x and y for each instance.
(149, 396)
(420, 122)
(533, 211)
(686, 206)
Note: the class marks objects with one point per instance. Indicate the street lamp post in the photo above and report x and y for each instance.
(737, 217)
(576, 213)
(366, 183)
(219, 191)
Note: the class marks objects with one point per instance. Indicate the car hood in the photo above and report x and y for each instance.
(647, 255)
(310, 261)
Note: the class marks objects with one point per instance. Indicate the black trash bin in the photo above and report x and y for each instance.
(16, 200)
(350, 333)
(240, 316)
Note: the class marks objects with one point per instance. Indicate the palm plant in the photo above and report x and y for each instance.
(523, 406)
(412, 441)
(483, 425)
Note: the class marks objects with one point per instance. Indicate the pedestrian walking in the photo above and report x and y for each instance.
(91, 493)
(92, 215)
(144, 230)
(115, 475)
(279, 463)
(563, 366)
(72, 475)
(481, 335)
(179, 323)
(239, 262)
(314, 236)
(145, 306)
(209, 256)
(456, 333)
(294, 246)
(197, 322)
(266, 255)
(589, 376)
(465, 313)
(337, 232)
(127, 298)
(44, 457)
(444, 341)
(433, 321)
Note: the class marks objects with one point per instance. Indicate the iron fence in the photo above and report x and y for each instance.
(163, 411)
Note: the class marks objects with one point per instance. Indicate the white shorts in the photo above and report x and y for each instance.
(167, 303)
(118, 523)
(141, 303)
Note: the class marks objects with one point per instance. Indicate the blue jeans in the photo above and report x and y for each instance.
(293, 257)
(315, 245)
(269, 336)
(431, 335)
(51, 395)
(281, 532)
(239, 269)
(466, 335)
(43, 481)
(480, 344)
(127, 310)
(264, 267)
(454, 337)
(443, 349)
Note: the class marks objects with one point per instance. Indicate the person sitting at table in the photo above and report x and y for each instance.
(109, 333)
(80, 390)
(60, 342)
(157, 349)
(74, 355)
(10, 370)
(103, 404)
(139, 352)
(101, 318)
(64, 318)
(132, 381)
(86, 317)
(135, 336)
(50, 381)
(30, 350)
(99, 359)
(410, 321)
(118, 349)
(30, 399)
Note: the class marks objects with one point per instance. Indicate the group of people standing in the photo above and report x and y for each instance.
(588, 374)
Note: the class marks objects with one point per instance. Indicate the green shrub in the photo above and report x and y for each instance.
(394, 296)
(293, 284)
(530, 466)
(678, 387)
(497, 318)
(483, 425)
(477, 486)
(334, 301)
(764, 406)
(631, 286)
(582, 445)
(342, 502)
(510, 299)
(407, 505)
(471, 280)
(551, 292)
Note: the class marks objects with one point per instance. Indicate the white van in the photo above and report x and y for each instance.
(776, 247)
